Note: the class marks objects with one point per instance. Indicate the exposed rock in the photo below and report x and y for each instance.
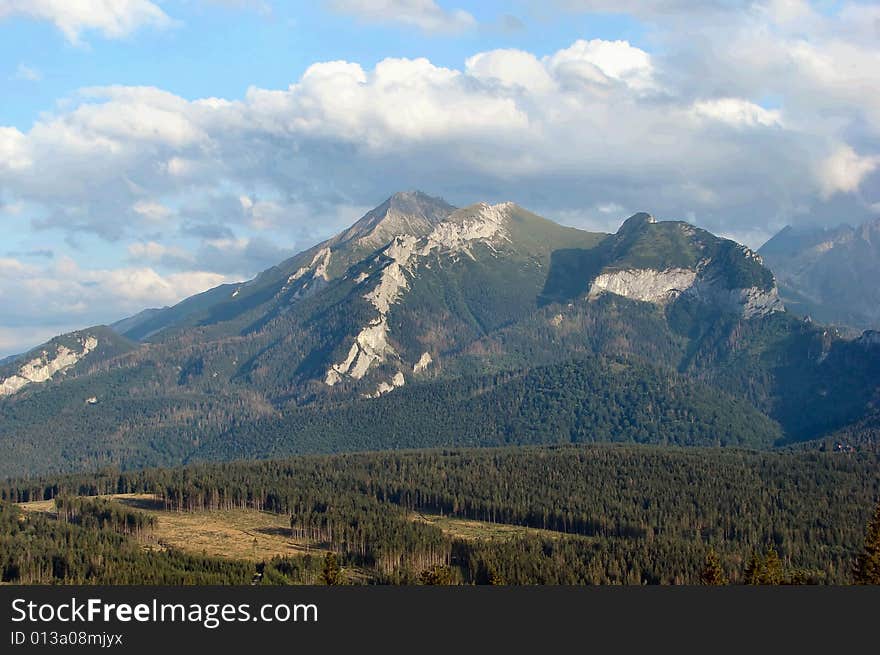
(748, 303)
(423, 363)
(408, 212)
(402, 256)
(44, 367)
(316, 272)
(644, 284)
(384, 387)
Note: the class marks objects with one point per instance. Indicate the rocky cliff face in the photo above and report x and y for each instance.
(46, 365)
(660, 262)
(394, 266)
(645, 284)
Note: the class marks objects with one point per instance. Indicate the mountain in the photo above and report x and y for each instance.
(660, 262)
(413, 213)
(69, 354)
(829, 274)
(429, 325)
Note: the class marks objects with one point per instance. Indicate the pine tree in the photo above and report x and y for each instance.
(436, 575)
(496, 578)
(754, 572)
(712, 573)
(867, 566)
(331, 574)
(773, 572)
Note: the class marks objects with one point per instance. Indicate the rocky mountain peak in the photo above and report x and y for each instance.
(637, 220)
(406, 212)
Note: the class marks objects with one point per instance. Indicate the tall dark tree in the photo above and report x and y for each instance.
(331, 574)
(867, 566)
(773, 570)
(436, 575)
(754, 571)
(712, 573)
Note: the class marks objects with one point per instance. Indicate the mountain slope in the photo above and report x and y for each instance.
(659, 262)
(585, 400)
(829, 274)
(467, 323)
(67, 355)
(301, 275)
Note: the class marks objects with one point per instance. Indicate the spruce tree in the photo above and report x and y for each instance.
(867, 566)
(773, 572)
(712, 573)
(436, 575)
(331, 574)
(754, 572)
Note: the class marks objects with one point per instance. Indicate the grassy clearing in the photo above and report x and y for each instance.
(235, 534)
(256, 536)
(481, 530)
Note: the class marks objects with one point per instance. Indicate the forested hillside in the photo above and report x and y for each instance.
(604, 514)
(591, 399)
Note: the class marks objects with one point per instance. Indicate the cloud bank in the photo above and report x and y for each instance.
(741, 121)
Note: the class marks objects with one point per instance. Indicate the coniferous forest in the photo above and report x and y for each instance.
(598, 514)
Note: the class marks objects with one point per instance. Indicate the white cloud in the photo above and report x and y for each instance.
(736, 111)
(27, 73)
(425, 15)
(604, 61)
(64, 296)
(512, 68)
(112, 18)
(157, 253)
(151, 210)
(844, 170)
(596, 120)
(12, 149)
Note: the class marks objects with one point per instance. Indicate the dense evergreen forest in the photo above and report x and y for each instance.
(603, 514)
(591, 399)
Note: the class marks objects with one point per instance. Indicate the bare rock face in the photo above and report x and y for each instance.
(408, 212)
(647, 285)
(747, 302)
(660, 287)
(402, 257)
(45, 366)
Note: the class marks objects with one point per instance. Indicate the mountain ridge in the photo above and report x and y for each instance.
(830, 274)
(471, 293)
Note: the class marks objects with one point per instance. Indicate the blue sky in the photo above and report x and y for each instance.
(222, 49)
(150, 149)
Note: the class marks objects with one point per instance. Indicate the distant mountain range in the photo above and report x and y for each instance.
(832, 275)
(425, 325)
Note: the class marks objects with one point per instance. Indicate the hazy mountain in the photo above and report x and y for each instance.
(427, 325)
(829, 274)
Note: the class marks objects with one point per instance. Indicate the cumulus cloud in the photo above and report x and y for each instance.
(736, 111)
(425, 15)
(602, 61)
(741, 125)
(594, 120)
(112, 18)
(234, 257)
(844, 170)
